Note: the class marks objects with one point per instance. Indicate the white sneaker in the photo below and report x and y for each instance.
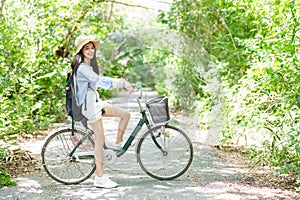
(104, 182)
(118, 146)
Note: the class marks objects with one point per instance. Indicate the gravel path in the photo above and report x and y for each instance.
(208, 177)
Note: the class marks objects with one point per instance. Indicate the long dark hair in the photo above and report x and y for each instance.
(79, 58)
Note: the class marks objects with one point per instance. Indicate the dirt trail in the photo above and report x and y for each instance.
(213, 175)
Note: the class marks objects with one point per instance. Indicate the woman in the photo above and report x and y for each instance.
(86, 72)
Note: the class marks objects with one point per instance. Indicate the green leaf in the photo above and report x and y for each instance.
(298, 100)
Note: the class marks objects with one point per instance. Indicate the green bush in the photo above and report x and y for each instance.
(5, 179)
(257, 44)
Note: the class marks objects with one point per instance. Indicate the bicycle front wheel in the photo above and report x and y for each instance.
(172, 160)
(57, 161)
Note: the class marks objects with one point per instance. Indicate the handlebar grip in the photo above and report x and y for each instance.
(138, 85)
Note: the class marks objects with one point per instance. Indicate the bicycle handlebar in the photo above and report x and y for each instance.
(138, 85)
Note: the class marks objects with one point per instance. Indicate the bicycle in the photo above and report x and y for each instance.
(163, 151)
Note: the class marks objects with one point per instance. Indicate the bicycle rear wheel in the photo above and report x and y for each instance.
(175, 157)
(62, 167)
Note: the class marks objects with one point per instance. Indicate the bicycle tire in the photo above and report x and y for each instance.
(57, 162)
(169, 165)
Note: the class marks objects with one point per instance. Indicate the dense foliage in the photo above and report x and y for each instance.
(36, 45)
(257, 43)
(4, 176)
(36, 48)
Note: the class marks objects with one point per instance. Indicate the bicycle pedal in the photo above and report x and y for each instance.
(110, 156)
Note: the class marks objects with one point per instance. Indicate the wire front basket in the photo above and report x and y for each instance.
(159, 109)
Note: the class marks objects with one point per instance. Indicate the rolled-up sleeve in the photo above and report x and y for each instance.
(104, 82)
(108, 83)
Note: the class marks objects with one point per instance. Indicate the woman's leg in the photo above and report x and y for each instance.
(123, 114)
(99, 145)
(101, 180)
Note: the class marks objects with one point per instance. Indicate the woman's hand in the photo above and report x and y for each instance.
(129, 87)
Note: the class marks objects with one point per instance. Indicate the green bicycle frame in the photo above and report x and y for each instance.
(142, 121)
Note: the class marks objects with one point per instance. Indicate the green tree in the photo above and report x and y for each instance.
(36, 44)
(255, 45)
